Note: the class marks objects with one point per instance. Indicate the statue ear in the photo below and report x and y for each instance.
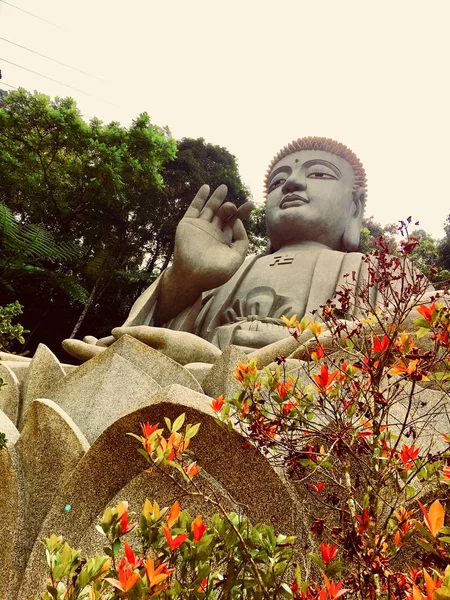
(352, 233)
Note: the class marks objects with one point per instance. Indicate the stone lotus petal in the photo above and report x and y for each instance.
(56, 482)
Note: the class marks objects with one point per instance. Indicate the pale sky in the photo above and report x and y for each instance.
(252, 75)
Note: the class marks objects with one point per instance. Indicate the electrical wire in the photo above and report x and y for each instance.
(8, 84)
(33, 15)
(56, 81)
(52, 59)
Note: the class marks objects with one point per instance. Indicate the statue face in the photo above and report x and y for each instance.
(311, 199)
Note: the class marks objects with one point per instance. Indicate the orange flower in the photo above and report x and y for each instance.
(325, 379)
(446, 472)
(217, 404)
(176, 440)
(434, 518)
(411, 369)
(398, 537)
(426, 311)
(158, 575)
(174, 542)
(288, 407)
(430, 586)
(244, 369)
(192, 470)
(174, 513)
(198, 528)
(283, 387)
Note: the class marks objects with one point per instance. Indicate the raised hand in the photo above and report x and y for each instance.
(211, 241)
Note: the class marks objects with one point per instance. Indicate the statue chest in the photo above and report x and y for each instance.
(247, 310)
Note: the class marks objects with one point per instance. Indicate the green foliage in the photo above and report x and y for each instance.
(8, 331)
(179, 557)
(116, 193)
(372, 230)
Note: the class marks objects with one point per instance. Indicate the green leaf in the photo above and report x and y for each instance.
(422, 323)
(191, 431)
(410, 490)
(178, 423)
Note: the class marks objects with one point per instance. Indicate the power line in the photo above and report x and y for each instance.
(56, 81)
(52, 59)
(8, 84)
(33, 15)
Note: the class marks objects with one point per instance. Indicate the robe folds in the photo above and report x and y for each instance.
(250, 317)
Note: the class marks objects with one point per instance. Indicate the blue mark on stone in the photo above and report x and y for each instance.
(67, 508)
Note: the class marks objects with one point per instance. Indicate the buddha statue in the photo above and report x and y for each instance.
(316, 190)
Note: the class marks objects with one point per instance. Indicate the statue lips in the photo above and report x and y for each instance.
(293, 200)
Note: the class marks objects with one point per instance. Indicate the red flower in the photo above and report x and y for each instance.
(127, 579)
(380, 345)
(328, 552)
(148, 429)
(325, 380)
(202, 586)
(198, 528)
(217, 404)
(363, 520)
(124, 525)
(131, 558)
(317, 488)
(408, 455)
(174, 542)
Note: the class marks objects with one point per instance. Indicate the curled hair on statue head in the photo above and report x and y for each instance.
(326, 145)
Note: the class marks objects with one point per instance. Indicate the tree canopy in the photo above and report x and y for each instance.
(113, 193)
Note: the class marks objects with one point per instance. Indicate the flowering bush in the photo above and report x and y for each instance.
(351, 431)
(172, 556)
(354, 433)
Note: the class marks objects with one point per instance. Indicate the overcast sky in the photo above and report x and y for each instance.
(253, 75)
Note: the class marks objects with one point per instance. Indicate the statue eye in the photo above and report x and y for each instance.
(276, 182)
(321, 175)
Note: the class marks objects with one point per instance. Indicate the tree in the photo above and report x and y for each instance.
(117, 193)
(372, 230)
(92, 184)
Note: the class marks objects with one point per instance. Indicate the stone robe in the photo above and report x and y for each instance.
(246, 311)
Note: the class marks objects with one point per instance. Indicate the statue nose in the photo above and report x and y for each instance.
(294, 183)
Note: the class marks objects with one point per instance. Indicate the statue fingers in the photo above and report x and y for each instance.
(214, 203)
(241, 213)
(81, 350)
(197, 204)
(106, 341)
(223, 214)
(151, 336)
(240, 243)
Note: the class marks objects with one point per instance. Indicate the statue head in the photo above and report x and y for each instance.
(316, 191)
